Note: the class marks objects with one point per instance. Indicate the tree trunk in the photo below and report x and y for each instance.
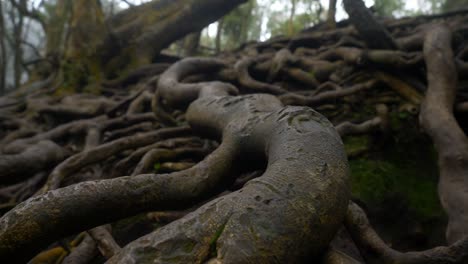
(219, 32)
(81, 64)
(2, 53)
(18, 36)
(374, 34)
(129, 39)
(331, 14)
(191, 44)
(291, 18)
(246, 22)
(56, 29)
(143, 31)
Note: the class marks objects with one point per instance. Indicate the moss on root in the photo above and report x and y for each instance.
(404, 167)
(373, 181)
(356, 144)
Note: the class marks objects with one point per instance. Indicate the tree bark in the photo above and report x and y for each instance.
(56, 34)
(145, 30)
(373, 33)
(438, 121)
(3, 58)
(18, 50)
(191, 44)
(331, 14)
(291, 17)
(219, 32)
(131, 38)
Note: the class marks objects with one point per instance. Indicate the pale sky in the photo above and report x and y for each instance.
(411, 5)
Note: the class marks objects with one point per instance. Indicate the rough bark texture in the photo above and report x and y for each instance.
(305, 162)
(374, 34)
(450, 141)
(146, 29)
(18, 167)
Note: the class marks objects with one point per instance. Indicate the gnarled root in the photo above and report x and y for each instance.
(305, 163)
(374, 250)
(449, 139)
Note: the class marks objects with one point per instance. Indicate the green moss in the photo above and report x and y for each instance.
(80, 75)
(312, 73)
(374, 181)
(75, 75)
(404, 168)
(404, 124)
(214, 240)
(157, 167)
(356, 144)
(371, 179)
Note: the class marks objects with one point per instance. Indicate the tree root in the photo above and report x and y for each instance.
(18, 167)
(104, 240)
(93, 155)
(274, 191)
(260, 123)
(83, 253)
(252, 85)
(438, 121)
(296, 99)
(381, 121)
(374, 250)
(113, 199)
(158, 155)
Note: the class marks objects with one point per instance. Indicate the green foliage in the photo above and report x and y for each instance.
(280, 23)
(242, 24)
(258, 19)
(388, 7)
(450, 5)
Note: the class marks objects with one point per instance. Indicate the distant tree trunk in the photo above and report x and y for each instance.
(331, 14)
(17, 40)
(374, 34)
(80, 58)
(56, 33)
(104, 48)
(86, 28)
(112, 8)
(219, 32)
(191, 44)
(3, 59)
(291, 17)
(246, 22)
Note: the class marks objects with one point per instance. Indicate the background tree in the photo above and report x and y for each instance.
(451, 5)
(388, 7)
(3, 58)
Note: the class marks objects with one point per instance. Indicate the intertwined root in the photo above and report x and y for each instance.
(305, 164)
(285, 212)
